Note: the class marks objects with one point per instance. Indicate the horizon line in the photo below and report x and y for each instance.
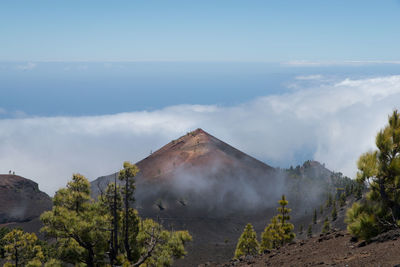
(284, 62)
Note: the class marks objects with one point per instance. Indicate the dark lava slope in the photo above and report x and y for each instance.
(20, 199)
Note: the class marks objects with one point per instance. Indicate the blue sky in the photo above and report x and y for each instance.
(223, 30)
(86, 85)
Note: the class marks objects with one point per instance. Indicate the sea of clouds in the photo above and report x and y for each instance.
(332, 121)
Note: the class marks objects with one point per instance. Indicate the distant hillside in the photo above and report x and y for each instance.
(20, 199)
(198, 182)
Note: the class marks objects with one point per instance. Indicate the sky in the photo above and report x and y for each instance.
(223, 30)
(86, 85)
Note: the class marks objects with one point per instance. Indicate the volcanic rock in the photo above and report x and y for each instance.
(20, 199)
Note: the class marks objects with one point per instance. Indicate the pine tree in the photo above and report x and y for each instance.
(22, 249)
(309, 231)
(280, 230)
(77, 223)
(157, 246)
(329, 201)
(83, 230)
(272, 235)
(358, 192)
(126, 175)
(3, 232)
(247, 244)
(347, 190)
(111, 201)
(284, 217)
(321, 209)
(342, 200)
(326, 226)
(315, 216)
(334, 212)
(380, 211)
(53, 263)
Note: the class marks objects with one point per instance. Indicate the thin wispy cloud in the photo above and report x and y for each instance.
(15, 114)
(27, 66)
(309, 77)
(333, 123)
(306, 63)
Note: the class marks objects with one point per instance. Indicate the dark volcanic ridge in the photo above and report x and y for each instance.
(20, 199)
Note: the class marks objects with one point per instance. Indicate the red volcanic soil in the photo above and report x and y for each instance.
(332, 249)
(20, 199)
(195, 149)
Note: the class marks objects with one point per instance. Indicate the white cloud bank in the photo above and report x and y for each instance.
(332, 123)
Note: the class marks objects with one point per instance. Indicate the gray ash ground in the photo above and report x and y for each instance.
(335, 248)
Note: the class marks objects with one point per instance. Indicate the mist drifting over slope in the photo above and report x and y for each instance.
(212, 193)
(198, 173)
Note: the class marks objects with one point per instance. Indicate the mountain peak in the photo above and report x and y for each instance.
(199, 130)
(197, 151)
(198, 166)
(199, 133)
(194, 149)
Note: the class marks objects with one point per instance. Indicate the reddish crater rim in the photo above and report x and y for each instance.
(195, 149)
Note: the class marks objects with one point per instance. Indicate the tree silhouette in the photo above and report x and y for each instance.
(247, 243)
